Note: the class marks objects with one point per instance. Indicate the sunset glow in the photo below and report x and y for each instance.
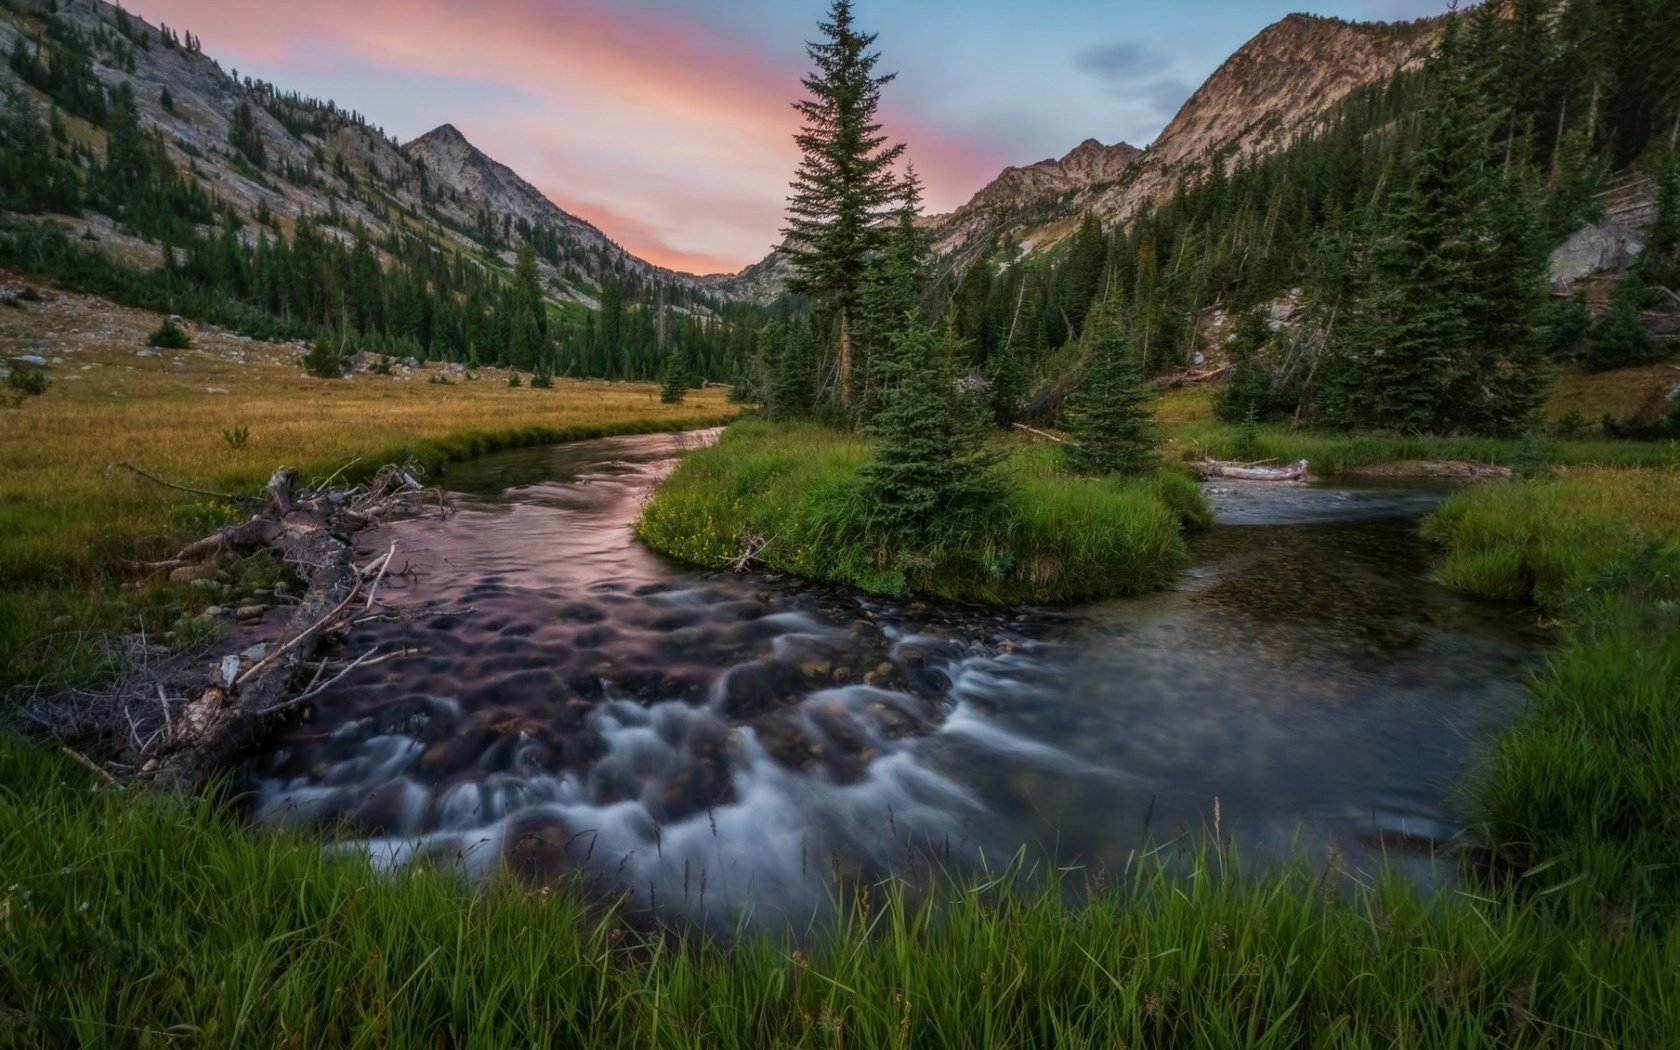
(668, 124)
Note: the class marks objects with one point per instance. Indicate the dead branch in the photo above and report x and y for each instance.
(149, 476)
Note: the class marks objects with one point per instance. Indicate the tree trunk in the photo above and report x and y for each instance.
(843, 384)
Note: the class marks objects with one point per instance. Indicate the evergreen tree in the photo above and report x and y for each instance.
(1249, 394)
(844, 185)
(527, 317)
(791, 352)
(244, 137)
(673, 386)
(892, 290)
(1619, 338)
(932, 474)
(1442, 335)
(1108, 415)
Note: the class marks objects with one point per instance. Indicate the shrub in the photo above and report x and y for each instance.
(324, 361)
(25, 383)
(170, 336)
(237, 437)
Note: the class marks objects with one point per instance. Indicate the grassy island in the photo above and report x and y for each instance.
(788, 496)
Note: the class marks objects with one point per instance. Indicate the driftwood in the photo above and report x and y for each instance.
(1211, 468)
(1041, 434)
(313, 532)
(179, 718)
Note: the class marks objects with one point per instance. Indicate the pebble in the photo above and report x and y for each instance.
(215, 612)
(255, 653)
(250, 612)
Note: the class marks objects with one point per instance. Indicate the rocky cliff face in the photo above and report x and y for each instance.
(1021, 198)
(323, 162)
(1258, 101)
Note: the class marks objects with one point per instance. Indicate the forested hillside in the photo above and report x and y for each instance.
(1396, 252)
(134, 166)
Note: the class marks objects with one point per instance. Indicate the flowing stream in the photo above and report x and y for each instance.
(715, 745)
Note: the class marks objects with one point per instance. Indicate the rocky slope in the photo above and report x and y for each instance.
(321, 161)
(1258, 101)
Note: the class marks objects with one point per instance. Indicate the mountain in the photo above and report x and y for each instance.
(478, 181)
(303, 157)
(1020, 197)
(1265, 95)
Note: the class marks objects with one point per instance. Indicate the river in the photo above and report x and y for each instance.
(713, 745)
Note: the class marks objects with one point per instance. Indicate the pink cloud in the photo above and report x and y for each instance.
(676, 141)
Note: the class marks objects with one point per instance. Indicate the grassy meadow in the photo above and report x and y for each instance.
(791, 495)
(1584, 784)
(69, 523)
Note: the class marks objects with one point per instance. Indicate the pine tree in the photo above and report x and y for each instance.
(791, 356)
(1249, 393)
(844, 185)
(542, 377)
(1108, 415)
(892, 290)
(932, 474)
(527, 318)
(673, 385)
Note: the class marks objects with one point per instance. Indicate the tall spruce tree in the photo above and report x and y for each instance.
(790, 355)
(1108, 415)
(845, 185)
(891, 292)
(932, 474)
(673, 385)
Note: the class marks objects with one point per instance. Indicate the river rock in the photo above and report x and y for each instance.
(191, 573)
(31, 360)
(250, 612)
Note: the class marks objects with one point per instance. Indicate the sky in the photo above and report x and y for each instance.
(668, 124)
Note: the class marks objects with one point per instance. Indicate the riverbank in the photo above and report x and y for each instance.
(1579, 794)
(787, 498)
(220, 417)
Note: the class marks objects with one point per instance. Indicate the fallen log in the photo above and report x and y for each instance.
(1211, 468)
(178, 718)
(313, 532)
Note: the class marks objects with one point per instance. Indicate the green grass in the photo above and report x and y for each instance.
(149, 921)
(791, 493)
(1585, 786)
(1556, 540)
(1330, 452)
